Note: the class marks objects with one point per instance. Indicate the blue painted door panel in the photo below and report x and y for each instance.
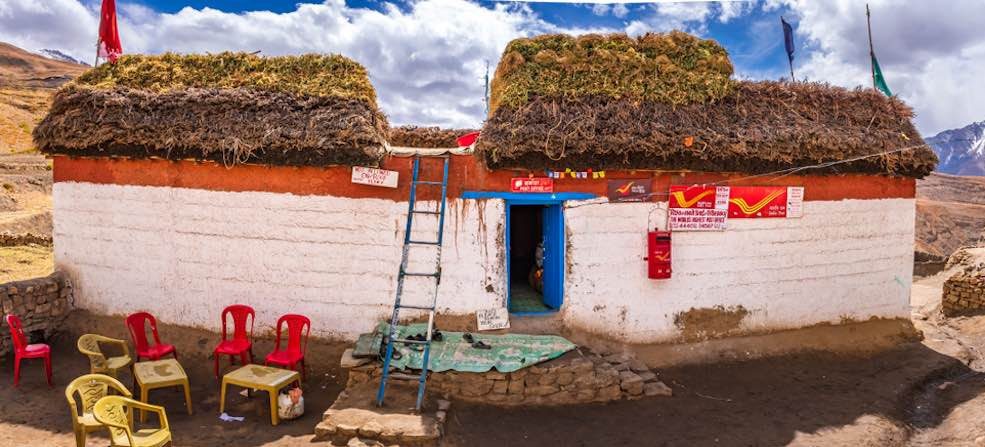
(553, 228)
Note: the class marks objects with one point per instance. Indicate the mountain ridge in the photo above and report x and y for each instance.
(961, 151)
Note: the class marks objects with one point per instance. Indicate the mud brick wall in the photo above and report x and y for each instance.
(964, 292)
(572, 379)
(41, 303)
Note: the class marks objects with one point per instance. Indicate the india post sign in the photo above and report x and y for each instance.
(698, 208)
(532, 184)
(631, 190)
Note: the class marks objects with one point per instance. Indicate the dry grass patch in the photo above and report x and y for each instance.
(25, 262)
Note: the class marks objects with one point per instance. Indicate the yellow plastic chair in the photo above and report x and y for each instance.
(98, 363)
(116, 413)
(89, 389)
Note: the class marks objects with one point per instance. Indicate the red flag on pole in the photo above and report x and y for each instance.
(109, 37)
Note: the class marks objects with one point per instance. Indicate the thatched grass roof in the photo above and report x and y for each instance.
(426, 137)
(229, 107)
(675, 108)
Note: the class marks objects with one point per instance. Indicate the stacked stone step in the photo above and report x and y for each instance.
(964, 292)
(41, 303)
(574, 379)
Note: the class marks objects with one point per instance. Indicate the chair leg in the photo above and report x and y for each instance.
(17, 371)
(47, 368)
(303, 370)
(216, 365)
(80, 437)
(242, 358)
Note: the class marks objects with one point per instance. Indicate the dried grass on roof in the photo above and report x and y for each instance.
(309, 74)
(674, 68)
(230, 107)
(224, 125)
(760, 127)
(426, 137)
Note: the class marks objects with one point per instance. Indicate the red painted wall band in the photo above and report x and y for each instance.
(465, 174)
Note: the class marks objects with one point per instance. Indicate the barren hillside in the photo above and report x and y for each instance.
(27, 81)
(950, 214)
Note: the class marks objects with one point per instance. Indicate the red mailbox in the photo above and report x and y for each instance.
(658, 254)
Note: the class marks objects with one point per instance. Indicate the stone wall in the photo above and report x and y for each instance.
(964, 292)
(41, 303)
(574, 378)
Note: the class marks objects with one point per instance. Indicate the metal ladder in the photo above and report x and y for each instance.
(403, 274)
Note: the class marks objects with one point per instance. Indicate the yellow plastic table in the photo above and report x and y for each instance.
(160, 374)
(264, 378)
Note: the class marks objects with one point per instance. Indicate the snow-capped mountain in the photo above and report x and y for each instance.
(59, 56)
(961, 151)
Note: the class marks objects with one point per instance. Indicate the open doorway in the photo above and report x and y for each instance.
(527, 259)
(535, 258)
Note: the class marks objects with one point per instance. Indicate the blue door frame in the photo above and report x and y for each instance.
(553, 233)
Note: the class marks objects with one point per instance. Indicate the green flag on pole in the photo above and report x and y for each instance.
(878, 79)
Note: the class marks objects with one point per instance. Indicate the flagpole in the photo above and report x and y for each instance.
(96, 62)
(872, 52)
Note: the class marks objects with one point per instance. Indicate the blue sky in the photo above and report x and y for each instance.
(753, 40)
(427, 58)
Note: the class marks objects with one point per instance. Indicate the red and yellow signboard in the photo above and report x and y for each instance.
(765, 201)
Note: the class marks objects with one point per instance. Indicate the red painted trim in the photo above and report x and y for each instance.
(465, 174)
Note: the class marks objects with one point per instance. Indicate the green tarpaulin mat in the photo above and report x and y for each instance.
(508, 353)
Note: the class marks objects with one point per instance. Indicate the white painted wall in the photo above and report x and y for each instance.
(849, 259)
(184, 254)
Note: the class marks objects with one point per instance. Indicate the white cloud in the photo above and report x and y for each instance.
(618, 9)
(427, 62)
(932, 56)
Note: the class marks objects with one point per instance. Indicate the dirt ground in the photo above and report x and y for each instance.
(930, 393)
(35, 415)
(25, 210)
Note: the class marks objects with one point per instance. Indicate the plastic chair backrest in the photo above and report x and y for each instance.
(111, 411)
(88, 345)
(241, 314)
(298, 327)
(90, 388)
(136, 323)
(16, 332)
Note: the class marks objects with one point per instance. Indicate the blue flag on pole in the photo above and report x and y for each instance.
(788, 38)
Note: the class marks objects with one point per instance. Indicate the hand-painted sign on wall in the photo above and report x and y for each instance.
(698, 208)
(492, 319)
(531, 184)
(766, 201)
(374, 177)
(629, 190)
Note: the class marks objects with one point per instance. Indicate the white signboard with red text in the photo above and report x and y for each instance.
(374, 177)
(698, 208)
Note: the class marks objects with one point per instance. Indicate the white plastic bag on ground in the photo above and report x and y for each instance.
(290, 405)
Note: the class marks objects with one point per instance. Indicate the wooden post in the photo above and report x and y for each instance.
(872, 52)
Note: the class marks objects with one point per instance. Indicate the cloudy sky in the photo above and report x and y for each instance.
(427, 58)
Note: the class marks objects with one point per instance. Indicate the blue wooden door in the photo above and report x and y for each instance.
(553, 227)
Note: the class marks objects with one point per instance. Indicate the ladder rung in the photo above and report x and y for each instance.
(428, 182)
(412, 306)
(419, 274)
(423, 242)
(412, 342)
(425, 212)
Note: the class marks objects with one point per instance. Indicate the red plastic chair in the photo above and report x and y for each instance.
(298, 328)
(22, 350)
(241, 344)
(136, 323)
